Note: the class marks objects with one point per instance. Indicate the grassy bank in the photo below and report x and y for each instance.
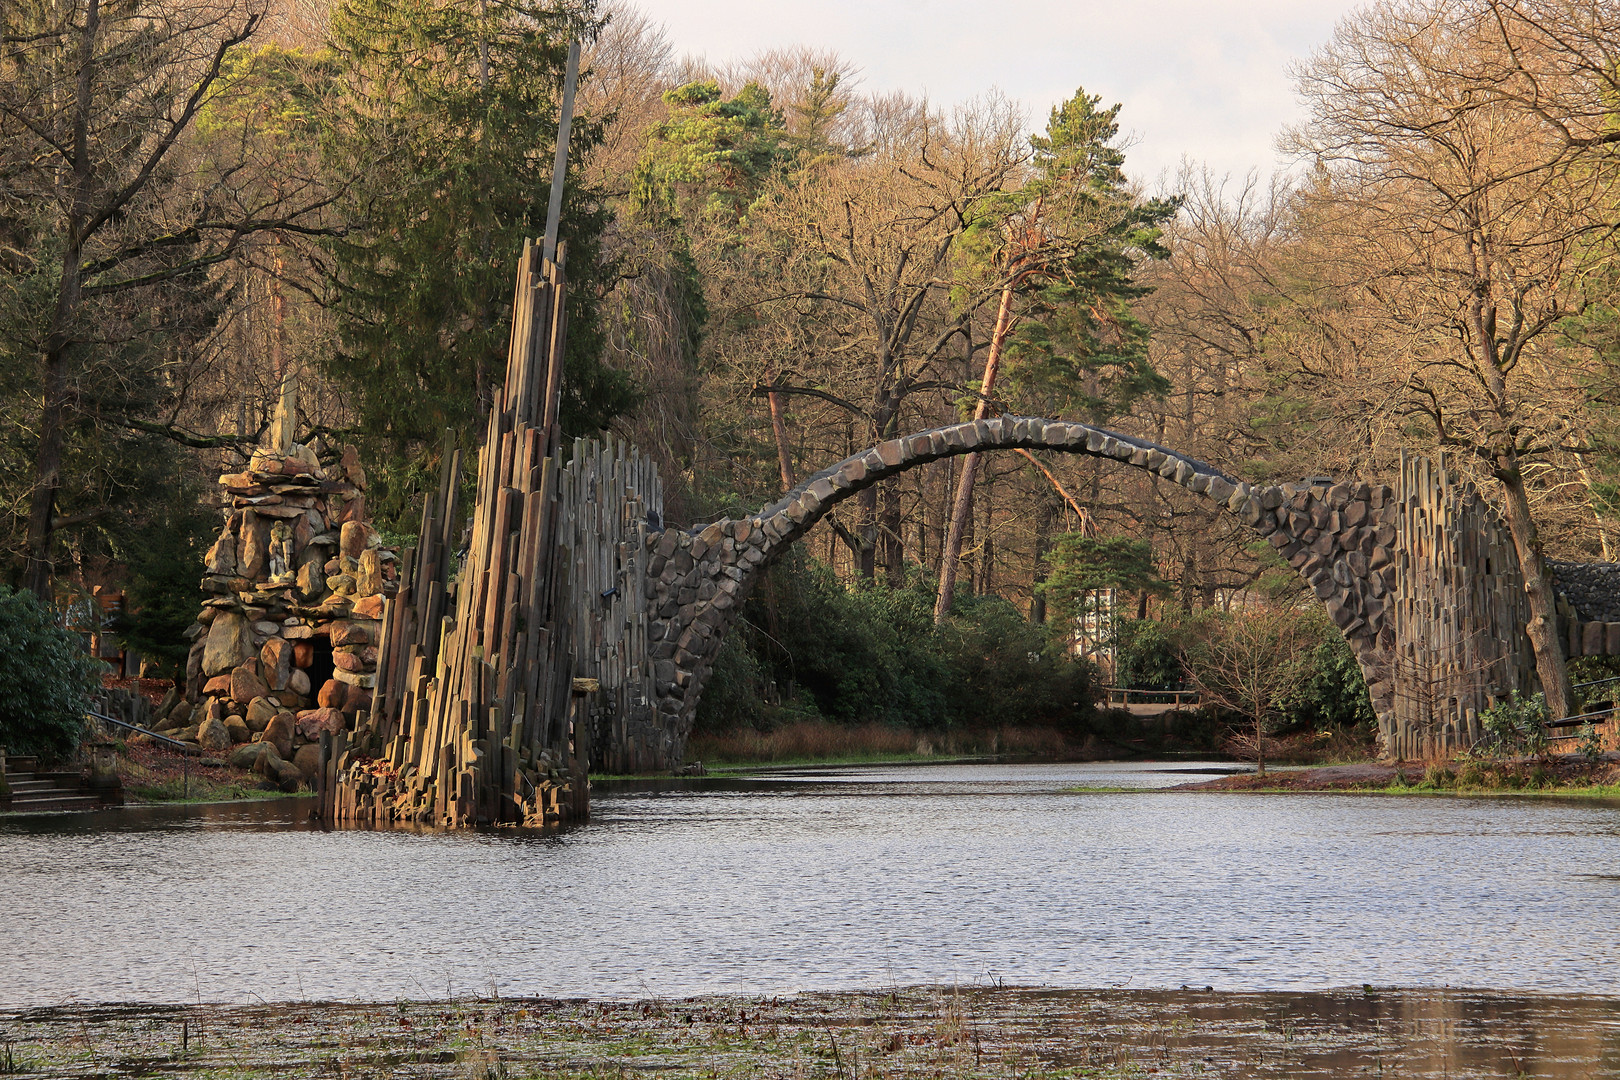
(823, 742)
(914, 1032)
(1561, 776)
(153, 774)
(1114, 736)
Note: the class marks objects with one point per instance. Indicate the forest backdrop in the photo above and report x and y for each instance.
(776, 268)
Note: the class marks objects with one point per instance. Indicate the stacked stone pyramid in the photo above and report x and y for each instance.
(285, 646)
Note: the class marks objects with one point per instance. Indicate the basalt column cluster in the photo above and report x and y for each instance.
(499, 664)
(285, 645)
(1459, 614)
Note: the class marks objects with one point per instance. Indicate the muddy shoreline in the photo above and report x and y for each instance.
(906, 1032)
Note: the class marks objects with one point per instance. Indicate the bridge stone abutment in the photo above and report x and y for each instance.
(1340, 538)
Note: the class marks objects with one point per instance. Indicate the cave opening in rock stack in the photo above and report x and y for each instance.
(319, 668)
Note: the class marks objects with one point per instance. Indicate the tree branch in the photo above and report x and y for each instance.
(761, 390)
(187, 438)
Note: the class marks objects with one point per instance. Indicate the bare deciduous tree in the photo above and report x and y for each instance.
(1254, 662)
(112, 221)
(1464, 217)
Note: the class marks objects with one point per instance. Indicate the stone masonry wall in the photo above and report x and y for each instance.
(1340, 538)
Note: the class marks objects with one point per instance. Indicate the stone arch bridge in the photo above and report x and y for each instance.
(1341, 538)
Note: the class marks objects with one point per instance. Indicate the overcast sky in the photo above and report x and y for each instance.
(1207, 79)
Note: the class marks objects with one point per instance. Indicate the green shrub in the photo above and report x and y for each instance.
(871, 654)
(1439, 777)
(999, 668)
(733, 696)
(1590, 746)
(1336, 693)
(45, 680)
(1516, 725)
(1147, 655)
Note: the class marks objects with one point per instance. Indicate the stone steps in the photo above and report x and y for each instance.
(24, 787)
(39, 792)
(52, 802)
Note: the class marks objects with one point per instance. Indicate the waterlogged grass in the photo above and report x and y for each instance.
(984, 1033)
(1517, 776)
(1544, 790)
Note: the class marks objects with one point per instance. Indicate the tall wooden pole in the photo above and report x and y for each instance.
(559, 167)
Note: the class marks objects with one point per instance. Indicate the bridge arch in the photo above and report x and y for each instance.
(1340, 538)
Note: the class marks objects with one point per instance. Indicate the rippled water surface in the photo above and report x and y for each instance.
(839, 878)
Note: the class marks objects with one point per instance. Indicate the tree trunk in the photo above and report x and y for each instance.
(784, 457)
(894, 549)
(1538, 588)
(943, 471)
(285, 424)
(54, 361)
(47, 470)
(1259, 746)
(951, 552)
(987, 546)
(866, 535)
(963, 508)
(1043, 531)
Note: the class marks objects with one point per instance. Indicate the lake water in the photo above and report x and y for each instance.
(850, 877)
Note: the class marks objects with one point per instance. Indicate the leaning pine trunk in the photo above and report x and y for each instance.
(1538, 588)
(962, 511)
(784, 453)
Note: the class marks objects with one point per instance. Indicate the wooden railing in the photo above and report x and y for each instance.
(1180, 699)
(1568, 727)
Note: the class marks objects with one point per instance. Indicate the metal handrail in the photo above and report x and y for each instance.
(185, 751)
(1595, 682)
(138, 729)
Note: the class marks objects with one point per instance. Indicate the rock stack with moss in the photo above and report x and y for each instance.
(285, 646)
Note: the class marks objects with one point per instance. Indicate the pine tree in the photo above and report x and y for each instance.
(712, 154)
(1080, 348)
(443, 136)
